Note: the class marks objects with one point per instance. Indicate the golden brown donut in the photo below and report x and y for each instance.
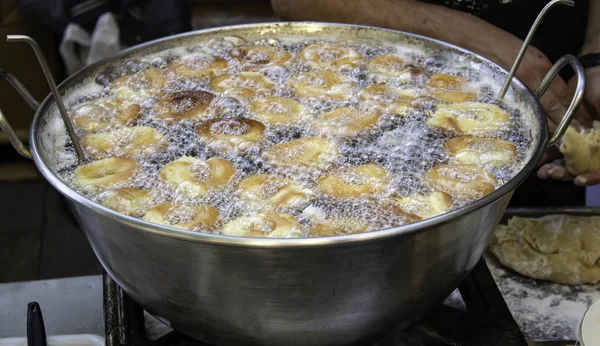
(125, 142)
(355, 181)
(392, 100)
(253, 58)
(199, 66)
(304, 152)
(423, 207)
(194, 177)
(251, 80)
(231, 133)
(150, 82)
(105, 172)
(323, 84)
(449, 88)
(242, 94)
(104, 113)
(277, 110)
(345, 122)
(269, 224)
(469, 118)
(330, 56)
(277, 191)
(339, 226)
(466, 181)
(129, 201)
(181, 105)
(487, 152)
(197, 218)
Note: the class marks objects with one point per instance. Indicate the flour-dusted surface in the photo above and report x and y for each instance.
(543, 310)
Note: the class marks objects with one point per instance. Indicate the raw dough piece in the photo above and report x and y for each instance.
(558, 248)
(582, 149)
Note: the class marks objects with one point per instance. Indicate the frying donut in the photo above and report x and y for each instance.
(448, 88)
(241, 94)
(339, 226)
(469, 118)
(126, 142)
(104, 113)
(467, 181)
(197, 218)
(355, 181)
(325, 84)
(105, 172)
(250, 80)
(181, 105)
(194, 177)
(345, 122)
(395, 100)
(253, 58)
(199, 66)
(330, 56)
(150, 82)
(486, 152)
(277, 191)
(269, 224)
(387, 64)
(230, 133)
(129, 201)
(424, 206)
(277, 110)
(304, 152)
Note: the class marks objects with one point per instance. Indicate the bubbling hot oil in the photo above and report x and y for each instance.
(404, 145)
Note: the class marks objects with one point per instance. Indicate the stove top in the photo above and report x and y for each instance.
(484, 320)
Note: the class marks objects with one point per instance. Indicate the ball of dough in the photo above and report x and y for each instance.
(559, 248)
(581, 149)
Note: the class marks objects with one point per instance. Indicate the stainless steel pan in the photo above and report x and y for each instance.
(321, 291)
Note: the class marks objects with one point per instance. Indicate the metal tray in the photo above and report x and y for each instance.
(544, 311)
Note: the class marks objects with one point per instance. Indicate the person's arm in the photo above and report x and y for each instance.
(438, 22)
(592, 35)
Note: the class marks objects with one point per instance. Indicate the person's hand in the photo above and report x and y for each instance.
(552, 165)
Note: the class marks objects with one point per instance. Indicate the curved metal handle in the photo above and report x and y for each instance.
(8, 130)
(577, 97)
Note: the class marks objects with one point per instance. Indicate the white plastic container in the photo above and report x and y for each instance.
(589, 333)
(59, 340)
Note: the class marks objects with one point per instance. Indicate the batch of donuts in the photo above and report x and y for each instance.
(276, 167)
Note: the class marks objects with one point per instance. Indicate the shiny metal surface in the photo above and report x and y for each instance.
(577, 97)
(528, 38)
(57, 96)
(339, 290)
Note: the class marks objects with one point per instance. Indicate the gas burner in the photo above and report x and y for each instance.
(485, 321)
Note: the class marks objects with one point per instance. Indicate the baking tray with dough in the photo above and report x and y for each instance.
(543, 309)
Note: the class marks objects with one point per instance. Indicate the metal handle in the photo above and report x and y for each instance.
(8, 130)
(53, 88)
(577, 97)
(521, 54)
(36, 332)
